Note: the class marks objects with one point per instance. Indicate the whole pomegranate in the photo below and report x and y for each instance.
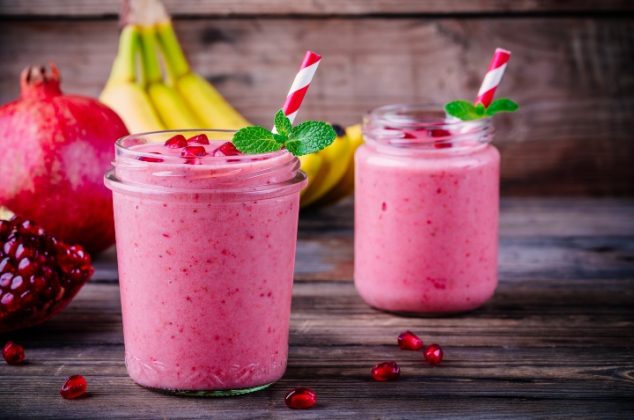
(54, 151)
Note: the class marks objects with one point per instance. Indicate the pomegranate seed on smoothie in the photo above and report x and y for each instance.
(206, 238)
(426, 204)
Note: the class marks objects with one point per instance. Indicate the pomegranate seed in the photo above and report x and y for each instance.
(10, 247)
(5, 279)
(26, 267)
(227, 149)
(433, 354)
(74, 387)
(301, 398)
(9, 302)
(13, 353)
(176, 142)
(151, 159)
(386, 371)
(439, 132)
(194, 151)
(199, 139)
(409, 341)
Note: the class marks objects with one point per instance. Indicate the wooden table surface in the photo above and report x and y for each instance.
(557, 339)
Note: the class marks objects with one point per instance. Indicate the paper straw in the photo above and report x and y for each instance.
(300, 85)
(493, 76)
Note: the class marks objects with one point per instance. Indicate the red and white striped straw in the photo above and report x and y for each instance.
(493, 77)
(300, 85)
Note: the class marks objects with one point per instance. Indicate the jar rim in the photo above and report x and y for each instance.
(219, 177)
(121, 148)
(424, 127)
(418, 115)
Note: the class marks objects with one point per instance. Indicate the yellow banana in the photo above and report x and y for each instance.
(310, 165)
(334, 164)
(209, 106)
(123, 94)
(169, 104)
(345, 187)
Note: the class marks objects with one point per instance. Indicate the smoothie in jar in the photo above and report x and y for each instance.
(206, 250)
(426, 211)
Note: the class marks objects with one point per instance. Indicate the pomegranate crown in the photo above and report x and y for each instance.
(36, 81)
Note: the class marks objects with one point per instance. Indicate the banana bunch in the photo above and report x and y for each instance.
(331, 171)
(152, 87)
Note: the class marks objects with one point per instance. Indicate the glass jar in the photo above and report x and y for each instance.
(426, 211)
(206, 251)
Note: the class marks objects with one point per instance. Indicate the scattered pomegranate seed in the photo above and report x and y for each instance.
(194, 151)
(13, 353)
(176, 142)
(386, 371)
(409, 341)
(151, 159)
(227, 149)
(433, 354)
(199, 139)
(74, 387)
(301, 398)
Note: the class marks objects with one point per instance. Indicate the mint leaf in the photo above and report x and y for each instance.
(310, 137)
(501, 105)
(462, 109)
(253, 140)
(280, 138)
(480, 109)
(283, 124)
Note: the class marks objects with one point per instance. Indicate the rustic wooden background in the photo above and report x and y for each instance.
(572, 69)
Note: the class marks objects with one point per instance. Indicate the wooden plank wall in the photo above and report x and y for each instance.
(572, 68)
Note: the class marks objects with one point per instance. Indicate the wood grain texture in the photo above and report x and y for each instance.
(554, 342)
(92, 8)
(540, 238)
(574, 78)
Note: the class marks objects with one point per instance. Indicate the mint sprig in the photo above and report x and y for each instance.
(307, 137)
(467, 111)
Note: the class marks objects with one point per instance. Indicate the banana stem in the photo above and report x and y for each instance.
(151, 66)
(124, 66)
(172, 51)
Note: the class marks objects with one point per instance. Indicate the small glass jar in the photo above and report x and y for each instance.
(426, 211)
(206, 252)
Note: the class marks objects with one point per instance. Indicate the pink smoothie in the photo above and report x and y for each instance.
(206, 255)
(426, 223)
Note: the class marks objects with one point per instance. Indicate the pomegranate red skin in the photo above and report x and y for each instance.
(55, 150)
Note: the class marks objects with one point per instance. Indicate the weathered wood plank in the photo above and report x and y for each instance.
(110, 8)
(572, 135)
(519, 217)
(541, 239)
(514, 355)
(555, 341)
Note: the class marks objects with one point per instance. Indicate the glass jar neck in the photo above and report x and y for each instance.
(423, 129)
(139, 168)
